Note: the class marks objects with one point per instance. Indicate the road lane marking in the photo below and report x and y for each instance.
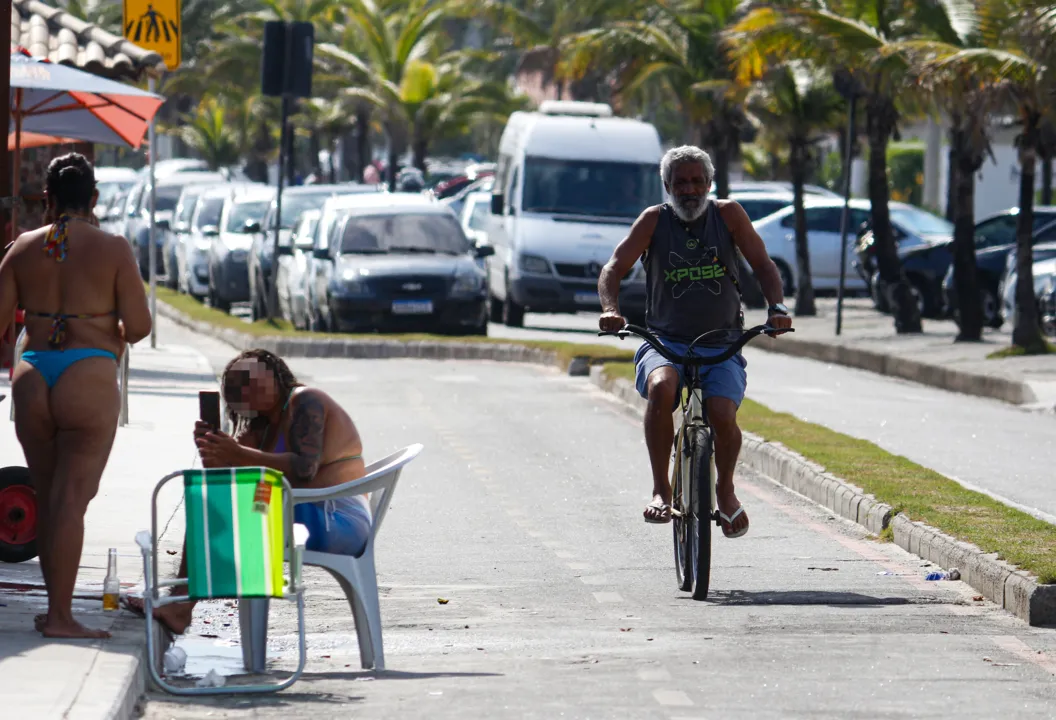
(1014, 645)
(594, 580)
(654, 675)
(608, 597)
(672, 698)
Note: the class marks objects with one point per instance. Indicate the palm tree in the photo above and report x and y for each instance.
(679, 45)
(852, 43)
(802, 106)
(215, 133)
(1020, 62)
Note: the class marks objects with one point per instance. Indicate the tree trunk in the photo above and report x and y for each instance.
(419, 146)
(393, 159)
(722, 167)
(1027, 332)
(1046, 180)
(314, 147)
(362, 142)
(880, 123)
(951, 185)
(965, 273)
(331, 148)
(804, 282)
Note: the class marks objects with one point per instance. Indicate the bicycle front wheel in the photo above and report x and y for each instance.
(700, 480)
(682, 501)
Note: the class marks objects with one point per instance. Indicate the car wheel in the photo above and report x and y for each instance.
(991, 310)
(788, 285)
(878, 293)
(512, 313)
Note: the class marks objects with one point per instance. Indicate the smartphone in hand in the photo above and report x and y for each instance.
(209, 408)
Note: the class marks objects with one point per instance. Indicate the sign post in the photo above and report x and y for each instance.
(155, 25)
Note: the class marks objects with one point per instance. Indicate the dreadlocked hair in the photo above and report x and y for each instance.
(285, 378)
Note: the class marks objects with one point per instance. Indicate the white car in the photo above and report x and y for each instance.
(293, 268)
(823, 238)
(474, 216)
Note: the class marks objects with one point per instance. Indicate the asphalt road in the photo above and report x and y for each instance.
(985, 444)
(524, 512)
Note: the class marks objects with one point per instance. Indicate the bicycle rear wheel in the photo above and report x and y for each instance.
(699, 479)
(682, 501)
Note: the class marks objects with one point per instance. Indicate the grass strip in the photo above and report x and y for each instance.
(1017, 351)
(921, 494)
(281, 328)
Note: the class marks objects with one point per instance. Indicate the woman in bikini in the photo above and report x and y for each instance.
(299, 431)
(83, 300)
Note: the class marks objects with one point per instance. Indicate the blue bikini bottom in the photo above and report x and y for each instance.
(51, 364)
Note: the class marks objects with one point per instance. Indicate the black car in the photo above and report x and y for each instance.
(995, 239)
(295, 200)
(403, 263)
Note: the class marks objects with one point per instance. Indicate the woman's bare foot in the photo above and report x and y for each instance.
(176, 617)
(70, 629)
(38, 622)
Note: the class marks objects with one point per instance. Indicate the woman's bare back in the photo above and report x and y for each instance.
(98, 278)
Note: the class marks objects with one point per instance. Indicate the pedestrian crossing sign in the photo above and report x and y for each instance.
(155, 25)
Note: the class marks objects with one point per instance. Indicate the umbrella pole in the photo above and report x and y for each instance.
(151, 249)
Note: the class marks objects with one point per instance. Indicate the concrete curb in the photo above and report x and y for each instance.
(338, 347)
(1013, 589)
(1010, 391)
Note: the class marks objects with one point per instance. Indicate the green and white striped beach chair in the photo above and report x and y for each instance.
(239, 529)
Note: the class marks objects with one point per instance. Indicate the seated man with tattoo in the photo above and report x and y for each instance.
(299, 431)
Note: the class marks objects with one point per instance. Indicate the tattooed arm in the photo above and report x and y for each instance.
(305, 441)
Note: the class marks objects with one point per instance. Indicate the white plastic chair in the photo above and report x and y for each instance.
(355, 575)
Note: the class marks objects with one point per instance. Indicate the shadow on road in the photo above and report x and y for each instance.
(801, 597)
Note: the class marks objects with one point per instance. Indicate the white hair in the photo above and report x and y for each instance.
(682, 155)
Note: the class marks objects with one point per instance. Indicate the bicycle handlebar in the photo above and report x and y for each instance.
(696, 359)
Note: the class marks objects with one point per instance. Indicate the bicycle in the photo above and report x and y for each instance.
(693, 475)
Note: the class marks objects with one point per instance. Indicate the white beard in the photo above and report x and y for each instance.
(684, 213)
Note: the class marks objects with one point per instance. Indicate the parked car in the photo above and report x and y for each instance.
(245, 206)
(295, 200)
(472, 174)
(180, 232)
(293, 269)
(193, 253)
(111, 183)
(571, 181)
(474, 217)
(758, 205)
(402, 262)
(1042, 252)
(772, 186)
(113, 220)
(167, 195)
(458, 200)
(995, 238)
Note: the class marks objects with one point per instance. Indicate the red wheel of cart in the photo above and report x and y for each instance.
(18, 516)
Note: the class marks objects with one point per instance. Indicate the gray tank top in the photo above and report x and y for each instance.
(687, 291)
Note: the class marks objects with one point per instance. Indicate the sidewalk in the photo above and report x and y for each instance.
(868, 341)
(49, 679)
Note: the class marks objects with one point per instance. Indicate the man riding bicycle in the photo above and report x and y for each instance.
(689, 250)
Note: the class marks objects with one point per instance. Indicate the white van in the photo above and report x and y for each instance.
(571, 180)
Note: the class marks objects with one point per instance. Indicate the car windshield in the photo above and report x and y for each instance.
(242, 212)
(582, 187)
(294, 205)
(404, 233)
(921, 222)
(189, 201)
(110, 191)
(209, 213)
(479, 217)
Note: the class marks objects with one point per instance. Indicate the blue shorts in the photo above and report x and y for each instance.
(728, 379)
(339, 526)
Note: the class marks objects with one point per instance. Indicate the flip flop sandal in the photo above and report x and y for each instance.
(728, 519)
(665, 513)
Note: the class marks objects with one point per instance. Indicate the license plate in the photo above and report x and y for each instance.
(412, 307)
(587, 298)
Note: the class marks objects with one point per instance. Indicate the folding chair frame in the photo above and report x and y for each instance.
(152, 600)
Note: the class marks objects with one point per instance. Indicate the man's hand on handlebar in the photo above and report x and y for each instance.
(779, 322)
(611, 322)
